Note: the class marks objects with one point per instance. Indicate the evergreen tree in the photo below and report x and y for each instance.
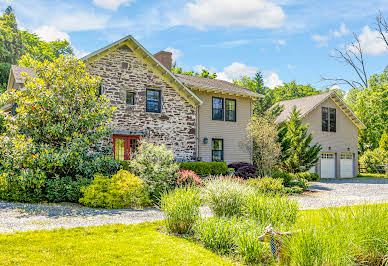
(298, 155)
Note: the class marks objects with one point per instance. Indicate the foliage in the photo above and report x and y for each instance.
(300, 182)
(286, 177)
(267, 185)
(156, 166)
(206, 168)
(65, 189)
(57, 130)
(181, 209)
(225, 197)
(262, 143)
(141, 244)
(188, 177)
(244, 170)
(204, 73)
(308, 176)
(371, 175)
(122, 190)
(4, 73)
(301, 156)
(375, 160)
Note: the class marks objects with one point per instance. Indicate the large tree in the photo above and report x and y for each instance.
(204, 73)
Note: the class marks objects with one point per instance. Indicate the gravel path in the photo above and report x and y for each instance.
(25, 217)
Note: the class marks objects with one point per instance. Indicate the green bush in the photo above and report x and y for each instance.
(277, 210)
(308, 176)
(374, 160)
(293, 190)
(156, 166)
(181, 209)
(287, 177)
(123, 190)
(225, 196)
(65, 189)
(267, 185)
(300, 182)
(206, 168)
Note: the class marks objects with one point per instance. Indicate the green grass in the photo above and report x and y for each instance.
(111, 244)
(372, 175)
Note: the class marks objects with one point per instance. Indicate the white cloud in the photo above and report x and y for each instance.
(281, 42)
(271, 79)
(342, 31)
(175, 53)
(236, 71)
(371, 42)
(242, 13)
(320, 39)
(199, 68)
(51, 33)
(289, 66)
(112, 4)
(80, 53)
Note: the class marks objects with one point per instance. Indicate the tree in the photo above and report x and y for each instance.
(301, 156)
(57, 131)
(292, 90)
(382, 27)
(204, 74)
(11, 43)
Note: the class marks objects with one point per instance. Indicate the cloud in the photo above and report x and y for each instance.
(175, 53)
(50, 33)
(226, 13)
(80, 53)
(280, 42)
(271, 79)
(112, 4)
(237, 70)
(199, 68)
(342, 31)
(371, 42)
(290, 67)
(321, 39)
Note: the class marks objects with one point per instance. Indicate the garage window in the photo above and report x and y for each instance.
(329, 120)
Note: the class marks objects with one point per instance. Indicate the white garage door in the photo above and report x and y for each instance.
(327, 165)
(346, 165)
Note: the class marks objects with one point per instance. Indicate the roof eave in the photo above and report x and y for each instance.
(202, 88)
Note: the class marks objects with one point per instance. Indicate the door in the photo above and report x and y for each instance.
(327, 165)
(346, 165)
(124, 146)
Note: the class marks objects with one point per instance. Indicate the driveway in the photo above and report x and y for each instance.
(342, 192)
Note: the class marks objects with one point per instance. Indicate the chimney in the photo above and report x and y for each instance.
(165, 58)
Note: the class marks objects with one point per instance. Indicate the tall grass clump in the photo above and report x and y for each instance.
(181, 209)
(276, 210)
(225, 197)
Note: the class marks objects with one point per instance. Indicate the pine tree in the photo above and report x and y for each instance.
(298, 155)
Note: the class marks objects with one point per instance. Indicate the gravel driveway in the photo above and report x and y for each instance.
(24, 217)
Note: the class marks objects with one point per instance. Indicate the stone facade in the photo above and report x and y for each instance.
(122, 70)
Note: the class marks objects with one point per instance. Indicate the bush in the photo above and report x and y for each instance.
(188, 177)
(156, 166)
(65, 189)
(308, 176)
(300, 182)
(287, 177)
(278, 210)
(293, 190)
(267, 185)
(225, 196)
(244, 170)
(123, 190)
(374, 160)
(181, 209)
(206, 168)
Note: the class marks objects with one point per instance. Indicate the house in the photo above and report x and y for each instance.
(335, 127)
(198, 118)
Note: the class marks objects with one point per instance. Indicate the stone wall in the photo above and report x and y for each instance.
(122, 70)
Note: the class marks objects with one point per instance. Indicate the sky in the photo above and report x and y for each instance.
(284, 39)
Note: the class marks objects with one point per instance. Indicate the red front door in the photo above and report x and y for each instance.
(124, 146)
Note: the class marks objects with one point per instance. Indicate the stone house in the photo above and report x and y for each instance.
(335, 127)
(198, 118)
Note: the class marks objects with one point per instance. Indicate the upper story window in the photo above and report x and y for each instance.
(230, 110)
(130, 98)
(154, 103)
(218, 108)
(329, 120)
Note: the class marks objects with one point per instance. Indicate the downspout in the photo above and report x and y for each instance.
(197, 132)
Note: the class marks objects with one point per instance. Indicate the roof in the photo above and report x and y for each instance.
(216, 85)
(18, 70)
(307, 104)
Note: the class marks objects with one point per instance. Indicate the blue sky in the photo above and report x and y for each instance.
(285, 39)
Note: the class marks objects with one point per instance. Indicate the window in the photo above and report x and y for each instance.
(13, 111)
(327, 155)
(218, 108)
(329, 119)
(230, 110)
(130, 98)
(217, 150)
(124, 147)
(153, 101)
(99, 93)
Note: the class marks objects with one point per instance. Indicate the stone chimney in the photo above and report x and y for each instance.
(165, 58)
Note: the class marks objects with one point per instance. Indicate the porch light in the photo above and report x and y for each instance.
(205, 140)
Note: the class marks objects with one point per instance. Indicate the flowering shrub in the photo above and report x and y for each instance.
(188, 177)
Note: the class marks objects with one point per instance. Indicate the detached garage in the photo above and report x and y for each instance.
(346, 165)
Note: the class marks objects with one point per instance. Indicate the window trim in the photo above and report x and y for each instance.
(223, 108)
(159, 101)
(127, 143)
(235, 110)
(222, 151)
(133, 99)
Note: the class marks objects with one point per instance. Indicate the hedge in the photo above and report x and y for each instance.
(206, 168)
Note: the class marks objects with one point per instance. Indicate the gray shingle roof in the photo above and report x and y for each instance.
(216, 85)
(18, 70)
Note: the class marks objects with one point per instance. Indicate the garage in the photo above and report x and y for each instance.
(327, 165)
(346, 165)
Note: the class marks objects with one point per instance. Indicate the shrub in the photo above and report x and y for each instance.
(206, 168)
(277, 210)
(287, 177)
(267, 185)
(156, 166)
(374, 160)
(123, 190)
(181, 209)
(65, 189)
(225, 197)
(308, 176)
(293, 190)
(188, 177)
(300, 182)
(244, 170)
